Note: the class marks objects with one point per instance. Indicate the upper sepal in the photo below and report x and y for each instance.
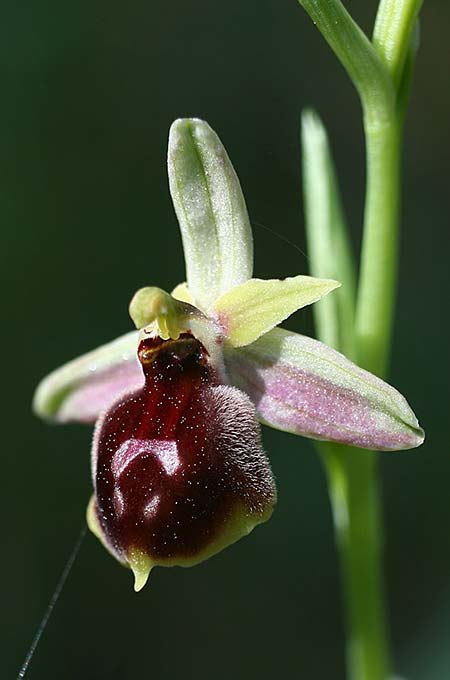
(302, 386)
(208, 201)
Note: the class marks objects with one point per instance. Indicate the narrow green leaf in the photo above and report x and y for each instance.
(327, 235)
(404, 85)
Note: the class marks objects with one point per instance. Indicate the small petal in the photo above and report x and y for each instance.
(182, 293)
(210, 207)
(81, 389)
(254, 308)
(302, 386)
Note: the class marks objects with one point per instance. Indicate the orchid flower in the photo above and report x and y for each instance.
(178, 467)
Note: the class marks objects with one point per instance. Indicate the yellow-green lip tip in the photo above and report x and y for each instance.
(141, 566)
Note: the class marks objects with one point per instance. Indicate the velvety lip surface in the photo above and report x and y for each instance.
(167, 475)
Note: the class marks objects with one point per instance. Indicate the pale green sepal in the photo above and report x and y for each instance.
(328, 240)
(254, 308)
(210, 207)
(82, 388)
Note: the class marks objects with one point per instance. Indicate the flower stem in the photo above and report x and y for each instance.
(377, 284)
(352, 474)
(381, 72)
(352, 480)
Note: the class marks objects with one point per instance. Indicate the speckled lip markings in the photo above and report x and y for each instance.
(179, 472)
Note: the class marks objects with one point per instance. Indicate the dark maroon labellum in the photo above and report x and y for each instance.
(179, 472)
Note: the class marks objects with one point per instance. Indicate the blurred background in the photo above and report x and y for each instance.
(89, 90)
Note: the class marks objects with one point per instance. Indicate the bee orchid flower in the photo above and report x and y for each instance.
(178, 468)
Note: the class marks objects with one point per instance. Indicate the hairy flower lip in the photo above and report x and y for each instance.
(179, 472)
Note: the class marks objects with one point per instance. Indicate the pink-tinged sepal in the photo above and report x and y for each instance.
(300, 385)
(179, 472)
(81, 389)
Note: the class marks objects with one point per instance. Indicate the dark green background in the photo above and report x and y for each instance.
(89, 90)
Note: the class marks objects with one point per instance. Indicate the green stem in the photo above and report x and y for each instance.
(381, 73)
(376, 292)
(352, 479)
(357, 55)
(378, 273)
